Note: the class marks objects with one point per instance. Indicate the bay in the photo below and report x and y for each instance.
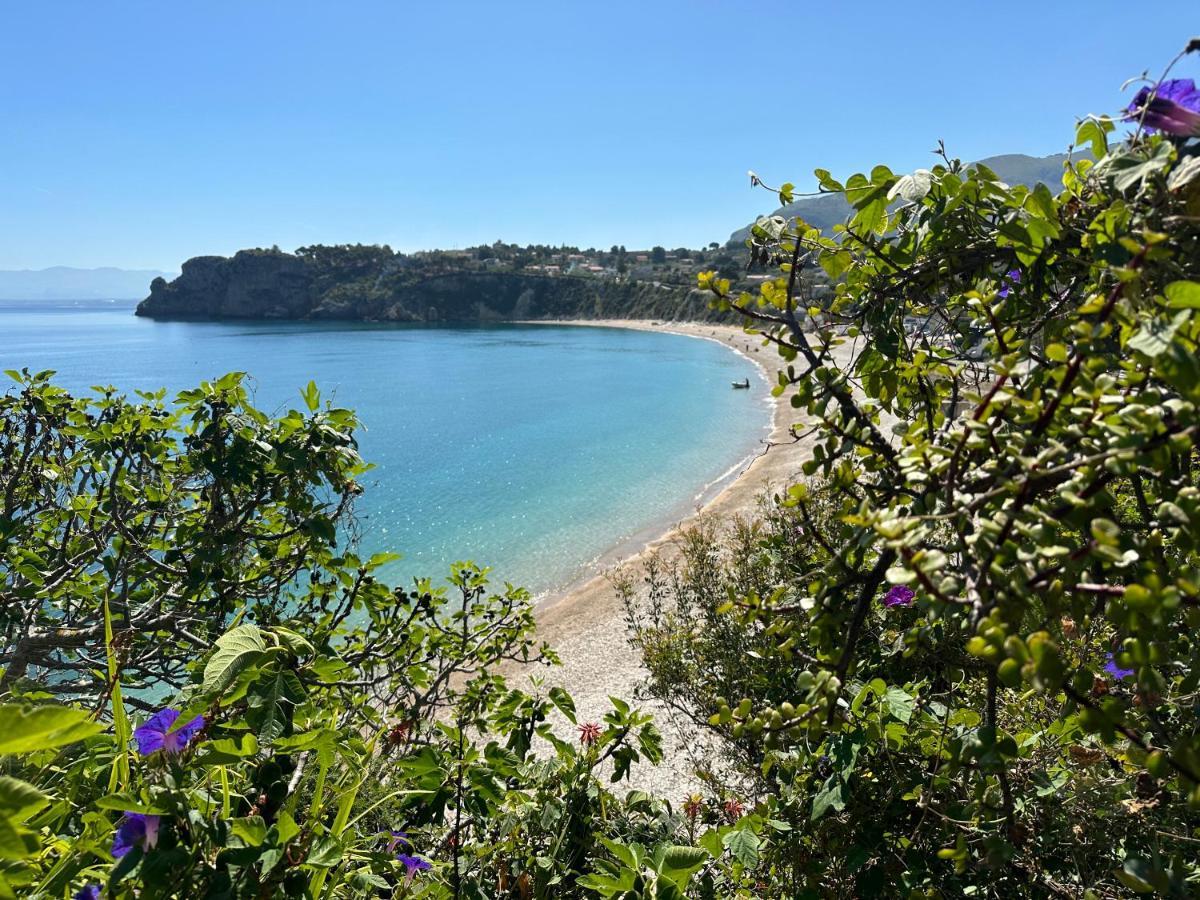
(543, 451)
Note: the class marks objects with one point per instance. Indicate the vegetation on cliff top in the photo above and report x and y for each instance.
(488, 283)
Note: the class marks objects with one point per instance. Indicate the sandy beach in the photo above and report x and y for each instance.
(586, 624)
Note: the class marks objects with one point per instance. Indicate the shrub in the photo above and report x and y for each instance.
(993, 662)
(303, 712)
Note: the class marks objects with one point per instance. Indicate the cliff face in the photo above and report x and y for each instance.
(266, 285)
(247, 286)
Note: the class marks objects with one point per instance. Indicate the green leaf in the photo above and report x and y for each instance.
(1156, 335)
(743, 844)
(227, 750)
(297, 644)
(711, 841)
(236, 649)
(19, 800)
(1090, 132)
(15, 843)
(606, 885)
(679, 863)
(312, 396)
(43, 727)
(252, 830)
(286, 827)
(827, 181)
(564, 702)
(620, 706)
(832, 796)
(126, 802)
(898, 703)
(1141, 877)
(325, 852)
(627, 855)
(1183, 295)
(1129, 170)
(268, 702)
(270, 859)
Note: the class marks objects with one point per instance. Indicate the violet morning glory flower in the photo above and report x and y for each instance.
(899, 595)
(136, 830)
(1172, 107)
(155, 733)
(413, 864)
(1011, 277)
(1113, 668)
(88, 892)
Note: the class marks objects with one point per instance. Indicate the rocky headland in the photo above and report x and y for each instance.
(375, 284)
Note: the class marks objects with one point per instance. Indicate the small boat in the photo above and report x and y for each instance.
(741, 385)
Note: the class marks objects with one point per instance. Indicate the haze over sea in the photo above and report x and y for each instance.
(542, 451)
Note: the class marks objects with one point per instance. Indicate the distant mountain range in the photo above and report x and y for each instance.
(66, 283)
(1014, 168)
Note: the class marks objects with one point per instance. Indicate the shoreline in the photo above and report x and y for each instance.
(585, 622)
(777, 460)
(638, 544)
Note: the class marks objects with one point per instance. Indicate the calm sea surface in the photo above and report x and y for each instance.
(538, 450)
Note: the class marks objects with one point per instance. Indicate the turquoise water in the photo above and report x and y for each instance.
(542, 451)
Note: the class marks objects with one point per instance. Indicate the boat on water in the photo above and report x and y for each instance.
(741, 385)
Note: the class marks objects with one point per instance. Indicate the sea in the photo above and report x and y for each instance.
(545, 452)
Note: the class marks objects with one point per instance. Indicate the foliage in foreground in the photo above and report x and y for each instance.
(962, 661)
(319, 732)
(970, 659)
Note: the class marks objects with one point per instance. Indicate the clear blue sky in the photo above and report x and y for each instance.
(138, 134)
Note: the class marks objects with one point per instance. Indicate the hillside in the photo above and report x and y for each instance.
(832, 209)
(375, 284)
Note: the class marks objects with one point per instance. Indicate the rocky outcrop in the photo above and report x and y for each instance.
(248, 285)
(276, 285)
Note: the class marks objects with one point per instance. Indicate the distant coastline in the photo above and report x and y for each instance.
(59, 283)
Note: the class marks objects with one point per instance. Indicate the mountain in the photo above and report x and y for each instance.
(375, 284)
(66, 283)
(832, 209)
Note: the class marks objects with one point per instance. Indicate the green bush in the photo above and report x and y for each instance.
(989, 670)
(184, 562)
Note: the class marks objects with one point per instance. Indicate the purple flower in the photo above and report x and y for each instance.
(136, 830)
(1113, 668)
(89, 892)
(413, 864)
(398, 839)
(1172, 107)
(155, 735)
(899, 595)
(1011, 277)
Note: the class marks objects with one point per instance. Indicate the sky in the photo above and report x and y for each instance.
(139, 134)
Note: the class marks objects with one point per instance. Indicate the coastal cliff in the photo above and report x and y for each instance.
(375, 284)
